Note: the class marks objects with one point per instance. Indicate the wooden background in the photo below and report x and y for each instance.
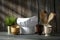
(28, 8)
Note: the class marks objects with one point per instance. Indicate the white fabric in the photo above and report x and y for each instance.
(27, 30)
(27, 24)
(22, 21)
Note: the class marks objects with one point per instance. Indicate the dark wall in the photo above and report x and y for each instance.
(57, 2)
(28, 8)
(54, 6)
(49, 6)
(17, 8)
